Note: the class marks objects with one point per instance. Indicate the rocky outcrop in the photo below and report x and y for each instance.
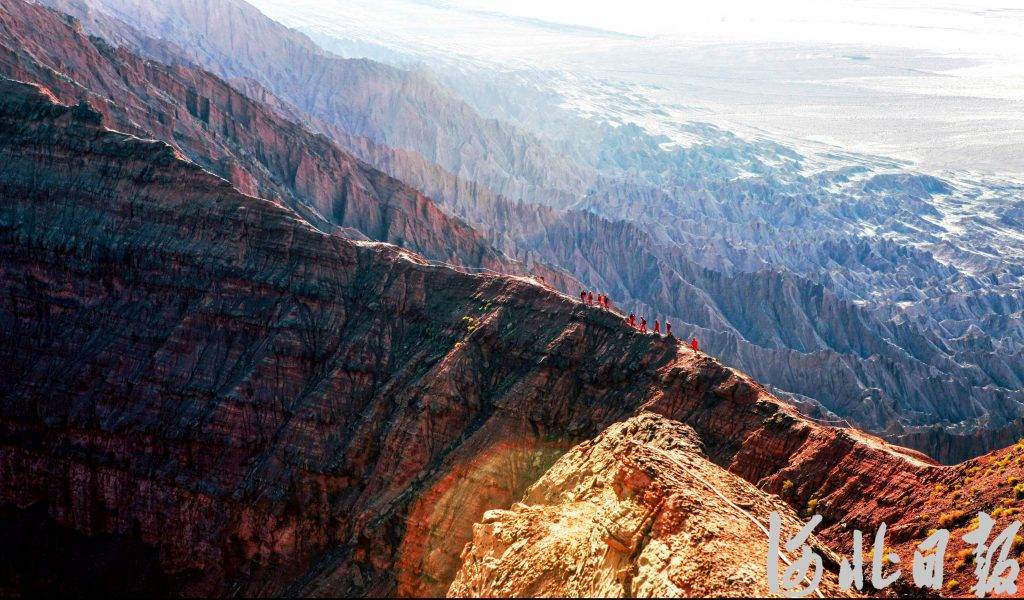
(637, 512)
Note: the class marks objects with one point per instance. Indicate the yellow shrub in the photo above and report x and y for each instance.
(948, 519)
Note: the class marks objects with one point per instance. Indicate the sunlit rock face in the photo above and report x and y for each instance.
(637, 512)
(854, 287)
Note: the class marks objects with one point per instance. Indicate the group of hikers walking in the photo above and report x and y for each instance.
(603, 301)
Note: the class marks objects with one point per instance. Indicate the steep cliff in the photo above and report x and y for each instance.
(269, 407)
(205, 372)
(389, 106)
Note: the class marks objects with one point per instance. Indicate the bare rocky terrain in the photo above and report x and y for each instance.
(200, 385)
(855, 288)
(275, 409)
(637, 512)
(230, 363)
(240, 139)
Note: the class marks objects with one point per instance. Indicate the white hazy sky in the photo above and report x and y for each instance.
(984, 28)
(937, 82)
(989, 27)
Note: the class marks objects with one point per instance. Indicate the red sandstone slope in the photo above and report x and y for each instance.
(243, 141)
(270, 409)
(638, 512)
(259, 401)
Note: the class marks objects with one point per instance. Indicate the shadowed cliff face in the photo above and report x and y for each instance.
(258, 398)
(267, 408)
(248, 144)
(277, 410)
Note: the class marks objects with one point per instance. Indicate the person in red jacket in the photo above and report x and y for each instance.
(694, 345)
(643, 325)
(600, 301)
(607, 302)
(668, 329)
(632, 320)
(590, 298)
(583, 296)
(657, 328)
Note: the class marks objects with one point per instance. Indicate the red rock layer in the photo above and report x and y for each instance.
(814, 345)
(274, 409)
(263, 403)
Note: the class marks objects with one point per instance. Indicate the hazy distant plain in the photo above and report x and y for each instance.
(940, 87)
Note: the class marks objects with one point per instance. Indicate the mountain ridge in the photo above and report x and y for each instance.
(178, 380)
(898, 372)
(272, 409)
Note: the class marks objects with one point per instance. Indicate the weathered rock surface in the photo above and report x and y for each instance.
(638, 512)
(273, 409)
(389, 106)
(250, 395)
(628, 512)
(760, 251)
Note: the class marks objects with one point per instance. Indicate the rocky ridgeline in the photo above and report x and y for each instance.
(200, 383)
(204, 372)
(842, 283)
(276, 409)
